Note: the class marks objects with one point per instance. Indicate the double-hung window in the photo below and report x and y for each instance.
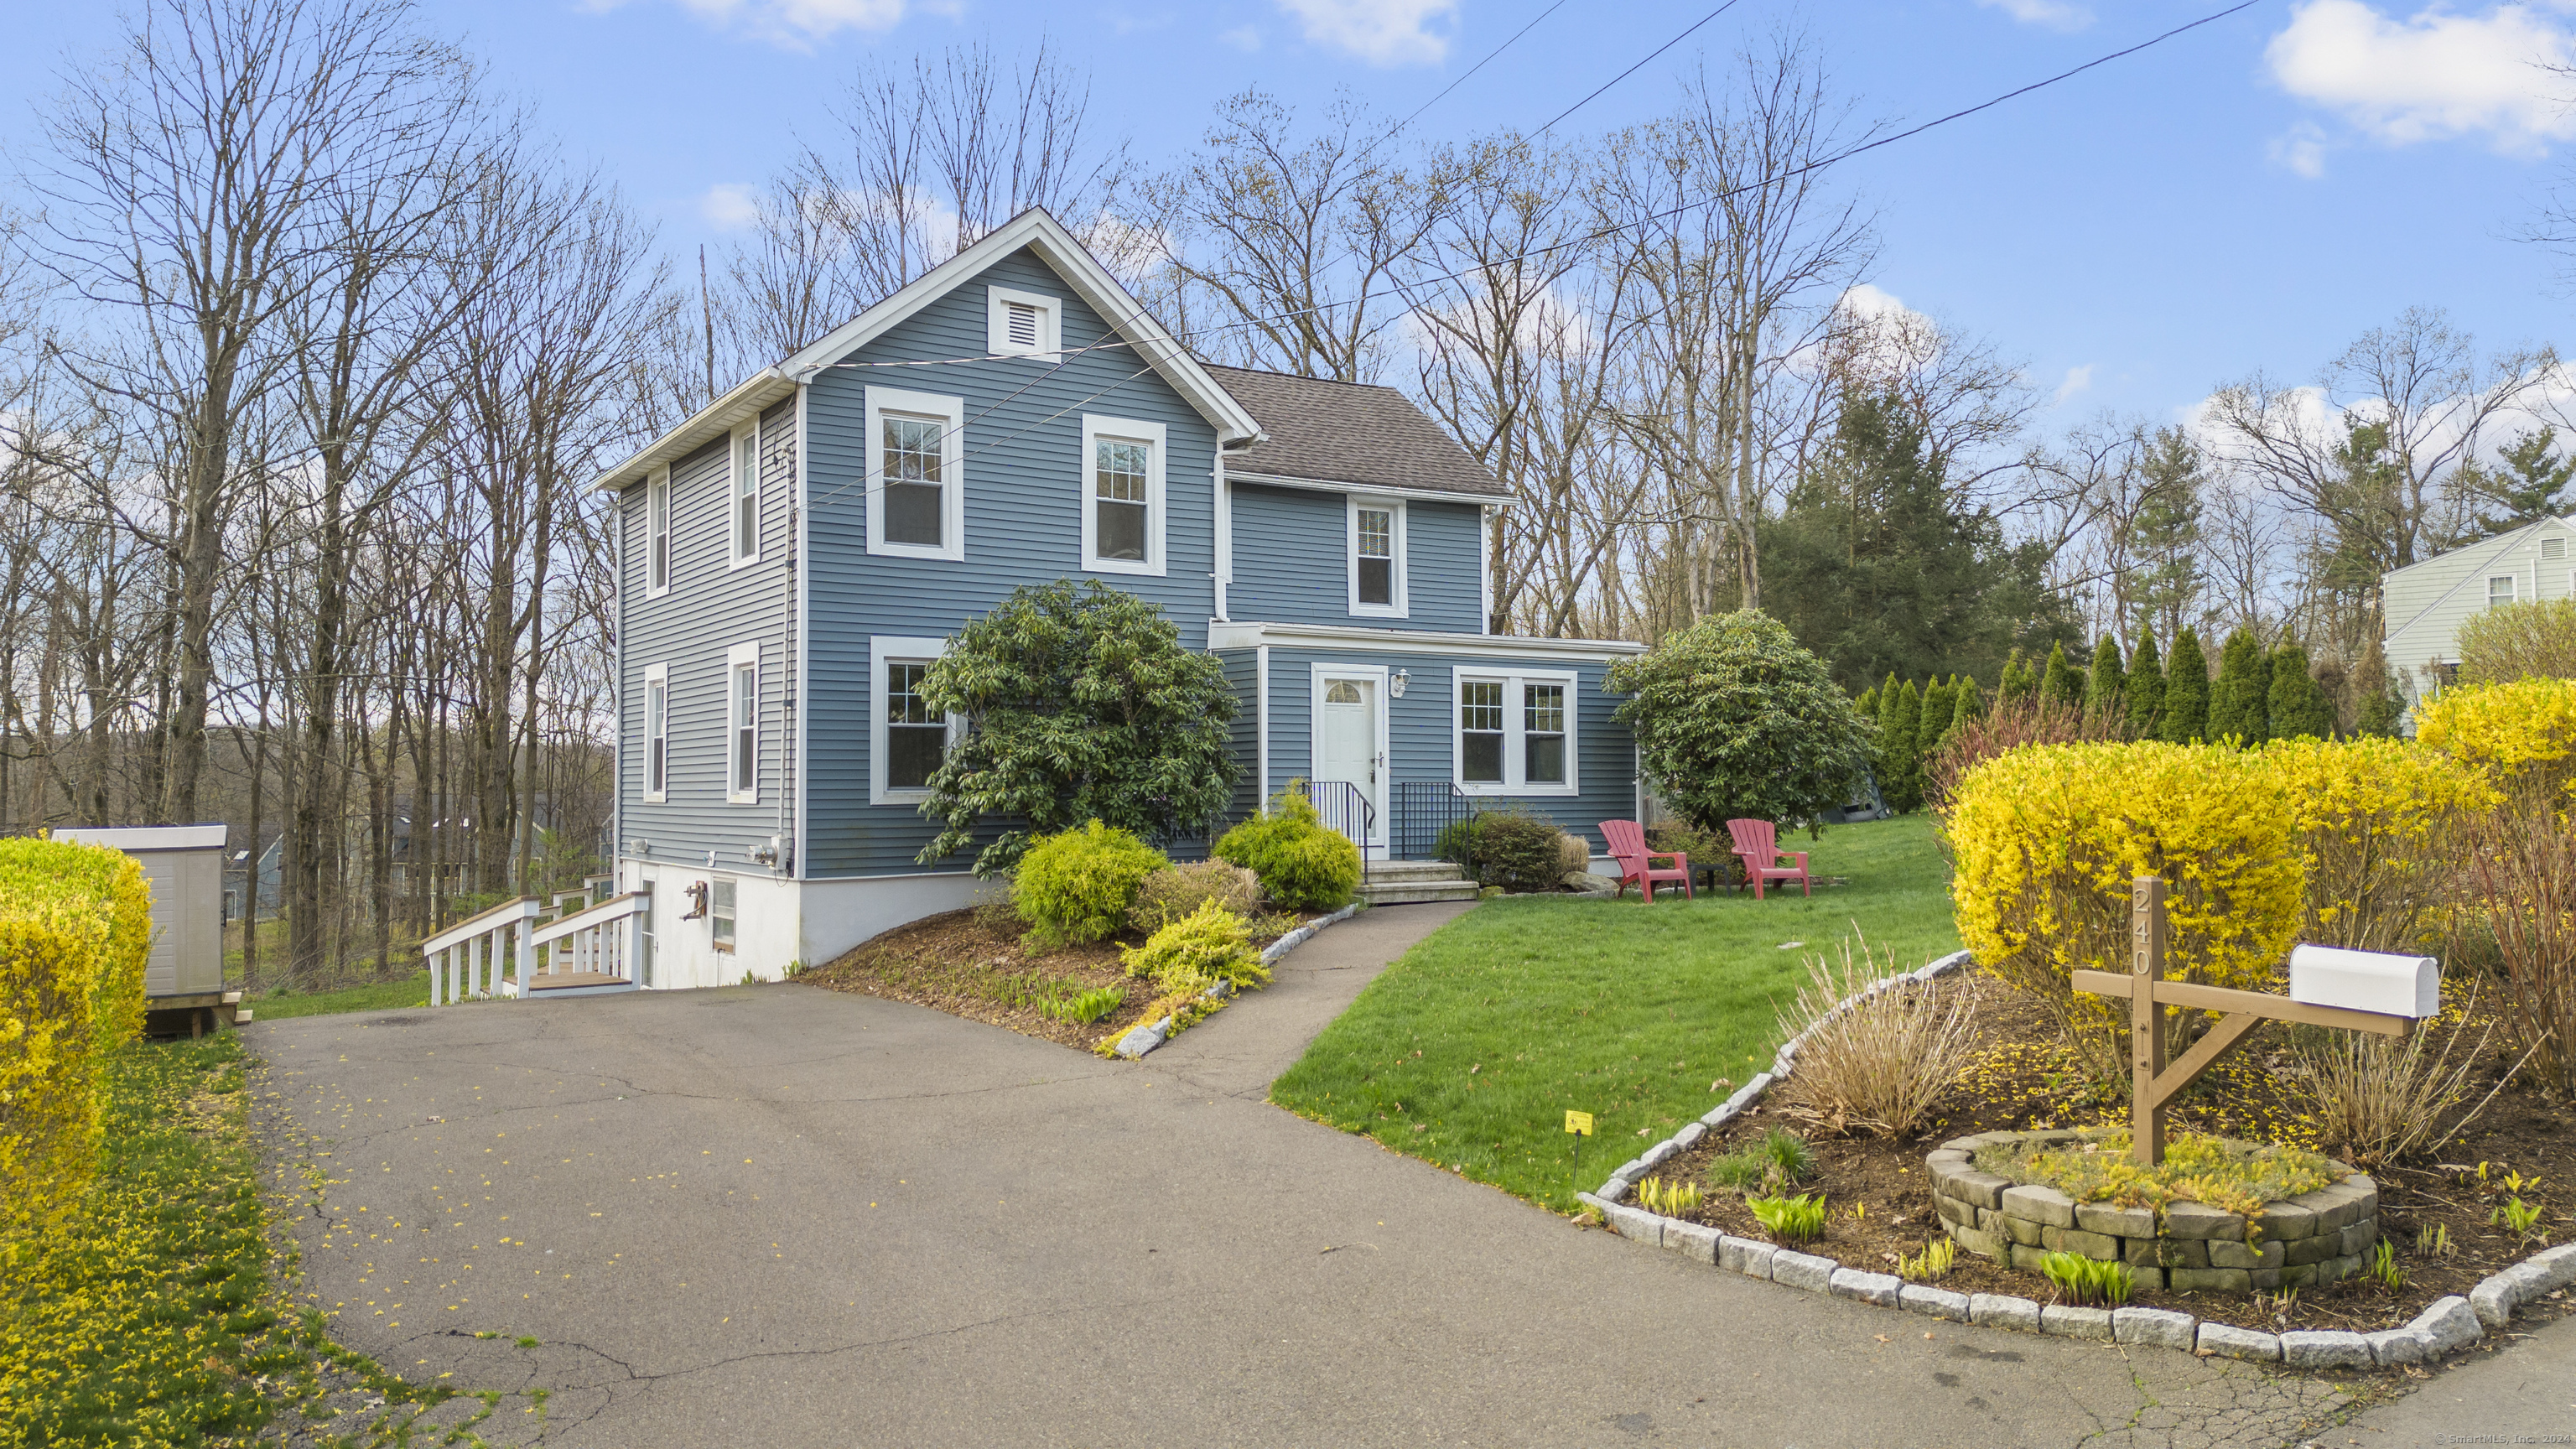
(916, 474)
(2500, 590)
(742, 724)
(657, 733)
(1122, 496)
(1515, 733)
(907, 739)
(1377, 557)
(746, 494)
(657, 534)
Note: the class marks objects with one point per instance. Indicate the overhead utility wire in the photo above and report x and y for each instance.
(1641, 65)
(1111, 340)
(1463, 79)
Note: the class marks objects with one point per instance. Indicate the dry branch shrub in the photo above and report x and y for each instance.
(2379, 826)
(2009, 725)
(2385, 1096)
(1176, 892)
(2524, 873)
(2047, 839)
(1872, 1054)
(75, 927)
(2535, 638)
(2523, 733)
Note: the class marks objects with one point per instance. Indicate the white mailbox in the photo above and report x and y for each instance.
(2366, 981)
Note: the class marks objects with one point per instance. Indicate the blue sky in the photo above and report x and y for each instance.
(2253, 194)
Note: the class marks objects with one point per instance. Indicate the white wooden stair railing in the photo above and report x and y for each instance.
(607, 938)
(468, 960)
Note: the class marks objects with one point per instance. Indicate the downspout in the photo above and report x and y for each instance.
(1224, 506)
(1261, 721)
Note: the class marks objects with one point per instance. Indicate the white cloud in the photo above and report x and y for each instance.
(2055, 14)
(1381, 32)
(1241, 37)
(2078, 379)
(730, 205)
(2430, 77)
(2302, 148)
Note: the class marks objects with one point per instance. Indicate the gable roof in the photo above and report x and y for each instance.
(1033, 230)
(1352, 434)
(2473, 560)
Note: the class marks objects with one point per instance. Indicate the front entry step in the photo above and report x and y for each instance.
(1408, 882)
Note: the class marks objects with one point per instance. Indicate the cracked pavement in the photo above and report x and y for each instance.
(795, 1217)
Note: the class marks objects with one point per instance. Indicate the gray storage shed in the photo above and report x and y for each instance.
(185, 866)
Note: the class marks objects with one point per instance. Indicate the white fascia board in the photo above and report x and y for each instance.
(1383, 490)
(749, 399)
(1090, 280)
(134, 838)
(1225, 635)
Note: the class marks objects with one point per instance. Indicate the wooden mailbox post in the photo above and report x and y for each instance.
(2154, 1084)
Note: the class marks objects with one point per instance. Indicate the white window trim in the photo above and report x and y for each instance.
(735, 658)
(657, 674)
(744, 550)
(1131, 430)
(2513, 584)
(1401, 607)
(1374, 675)
(1515, 754)
(997, 327)
(951, 412)
(885, 649)
(662, 559)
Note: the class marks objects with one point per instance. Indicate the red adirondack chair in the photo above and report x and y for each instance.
(1627, 842)
(1757, 844)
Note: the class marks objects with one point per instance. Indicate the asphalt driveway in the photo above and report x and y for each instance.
(783, 1216)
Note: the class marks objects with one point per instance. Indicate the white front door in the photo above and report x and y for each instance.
(1347, 749)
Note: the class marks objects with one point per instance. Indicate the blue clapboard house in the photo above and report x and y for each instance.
(792, 558)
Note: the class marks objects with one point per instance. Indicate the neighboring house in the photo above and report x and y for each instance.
(793, 558)
(2426, 603)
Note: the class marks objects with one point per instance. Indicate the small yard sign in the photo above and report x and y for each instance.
(1579, 1123)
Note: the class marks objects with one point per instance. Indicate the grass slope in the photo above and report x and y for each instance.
(412, 990)
(1469, 1051)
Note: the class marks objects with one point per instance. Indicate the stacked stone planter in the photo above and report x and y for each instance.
(2314, 1238)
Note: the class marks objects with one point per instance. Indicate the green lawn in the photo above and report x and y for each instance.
(412, 990)
(1470, 1050)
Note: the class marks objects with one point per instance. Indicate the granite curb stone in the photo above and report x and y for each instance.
(1694, 1241)
(2003, 1311)
(1803, 1270)
(1879, 1288)
(2161, 1327)
(2067, 1322)
(2228, 1341)
(1938, 1302)
(2325, 1348)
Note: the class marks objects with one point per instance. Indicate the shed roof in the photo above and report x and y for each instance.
(1351, 433)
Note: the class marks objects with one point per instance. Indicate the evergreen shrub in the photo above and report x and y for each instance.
(1304, 864)
(1519, 851)
(1209, 945)
(1078, 885)
(1177, 891)
(1733, 719)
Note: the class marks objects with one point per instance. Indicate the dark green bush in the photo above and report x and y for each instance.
(1303, 864)
(1518, 851)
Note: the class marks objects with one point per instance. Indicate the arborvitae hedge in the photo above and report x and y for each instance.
(2186, 711)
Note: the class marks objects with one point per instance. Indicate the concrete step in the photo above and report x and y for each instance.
(1394, 870)
(1411, 892)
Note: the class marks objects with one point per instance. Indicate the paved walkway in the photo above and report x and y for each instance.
(782, 1216)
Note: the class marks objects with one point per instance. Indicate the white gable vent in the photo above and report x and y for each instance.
(1024, 324)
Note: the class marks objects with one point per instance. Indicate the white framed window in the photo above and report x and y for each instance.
(1122, 496)
(2553, 548)
(745, 491)
(657, 534)
(742, 725)
(1514, 732)
(906, 740)
(1023, 324)
(657, 733)
(916, 474)
(722, 901)
(2500, 590)
(1377, 557)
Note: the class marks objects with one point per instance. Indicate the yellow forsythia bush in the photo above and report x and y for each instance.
(2378, 826)
(2047, 839)
(2524, 733)
(75, 927)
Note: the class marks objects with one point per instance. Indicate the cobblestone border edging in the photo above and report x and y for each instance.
(2450, 1323)
(1145, 1038)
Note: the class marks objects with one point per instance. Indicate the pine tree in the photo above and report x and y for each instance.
(1900, 758)
(1867, 704)
(2186, 711)
(2062, 683)
(2146, 687)
(2298, 708)
(2105, 692)
(1965, 704)
(1935, 717)
(2237, 709)
(2019, 686)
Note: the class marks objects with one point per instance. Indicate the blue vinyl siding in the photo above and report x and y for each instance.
(1023, 476)
(711, 607)
(1292, 562)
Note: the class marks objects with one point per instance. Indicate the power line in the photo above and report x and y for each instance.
(1462, 80)
(1632, 70)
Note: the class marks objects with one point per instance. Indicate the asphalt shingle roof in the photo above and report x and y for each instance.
(1342, 432)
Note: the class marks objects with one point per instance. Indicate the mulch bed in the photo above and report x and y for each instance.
(1881, 1204)
(967, 964)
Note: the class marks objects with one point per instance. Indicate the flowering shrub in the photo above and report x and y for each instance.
(1077, 885)
(2046, 841)
(2378, 825)
(2523, 732)
(75, 926)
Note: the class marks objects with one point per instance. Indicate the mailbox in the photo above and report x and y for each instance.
(2366, 981)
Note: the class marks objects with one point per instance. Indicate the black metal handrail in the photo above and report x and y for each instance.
(1346, 808)
(1421, 812)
